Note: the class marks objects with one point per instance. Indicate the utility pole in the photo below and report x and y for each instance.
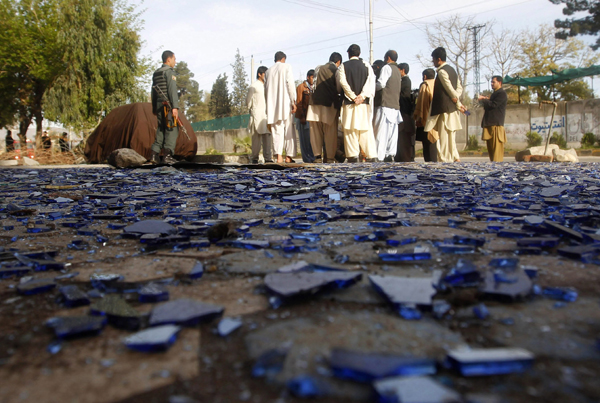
(371, 60)
(251, 68)
(476, 30)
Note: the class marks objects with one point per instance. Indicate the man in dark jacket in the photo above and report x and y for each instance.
(165, 105)
(493, 120)
(406, 129)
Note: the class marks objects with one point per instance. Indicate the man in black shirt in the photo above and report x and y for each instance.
(493, 120)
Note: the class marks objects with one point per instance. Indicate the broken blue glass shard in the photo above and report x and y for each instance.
(585, 253)
(76, 326)
(39, 229)
(463, 274)
(481, 311)
(440, 308)
(455, 249)
(508, 233)
(184, 312)
(197, 271)
(227, 326)
(563, 231)
(105, 282)
(403, 291)
(253, 223)
(400, 242)
(67, 276)
(73, 296)
(528, 251)
(467, 240)
(287, 285)
(367, 367)
(393, 255)
(560, 293)
(490, 361)
(152, 292)
(456, 222)
(85, 231)
(18, 271)
(409, 312)
(54, 347)
(505, 263)
(118, 312)
(245, 244)
(78, 244)
(269, 363)
(539, 242)
(414, 389)
(306, 386)
(521, 288)
(36, 286)
(155, 339)
(533, 219)
(298, 197)
(150, 227)
(341, 259)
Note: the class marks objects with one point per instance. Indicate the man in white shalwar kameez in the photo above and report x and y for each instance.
(280, 91)
(356, 78)
(387, 108)
(444, 114)
(255, 101)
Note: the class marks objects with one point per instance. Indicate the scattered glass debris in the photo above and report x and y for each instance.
(73, 296)
(153, 292)
(560, 293)
(269, 364)
(118, 312)
(286, 285)
(36, 286)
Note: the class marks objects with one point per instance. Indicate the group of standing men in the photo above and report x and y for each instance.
(379, 117)
(380, 120)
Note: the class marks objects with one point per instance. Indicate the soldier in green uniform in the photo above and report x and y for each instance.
(165, 104)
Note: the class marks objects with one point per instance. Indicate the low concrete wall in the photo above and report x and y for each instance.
(572, 119)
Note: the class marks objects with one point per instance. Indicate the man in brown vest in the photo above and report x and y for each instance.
(323, 111)
(387, 108)
(444, 115)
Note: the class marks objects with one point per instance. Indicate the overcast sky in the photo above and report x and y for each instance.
(206, 34)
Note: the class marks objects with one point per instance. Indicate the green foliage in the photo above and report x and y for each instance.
(472, 142)
(101, 46)
(240, 86)
(220, 101)
(558, 139)
(540, 52)
(243, 145)
(588, 140)
(212, 151)
(584, 25)
(68, 60)
(191, 101)
(534, 139)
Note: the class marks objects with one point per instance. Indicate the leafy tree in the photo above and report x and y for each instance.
(540, 52)
(240, 86)
(191, 100)
(220, 101)
(30, 59)
(68, 60)
(588, 25)
(454, 35)
(101, 46)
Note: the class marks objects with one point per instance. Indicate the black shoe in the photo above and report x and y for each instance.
(372, 160)
(154, 158)
(254, 162)
(168, 159)
(269, 161)
(388, 158)
(318, 159)
(352, 160)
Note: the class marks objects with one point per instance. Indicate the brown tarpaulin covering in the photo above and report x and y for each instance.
(134, 126)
